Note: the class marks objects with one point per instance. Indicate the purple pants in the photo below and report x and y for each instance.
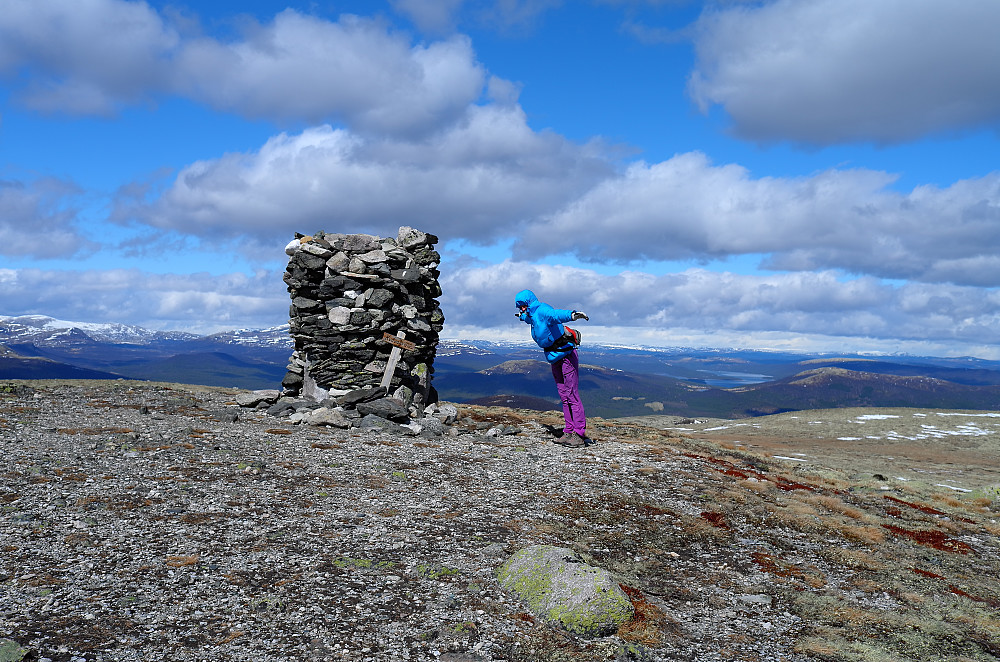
(567, 375)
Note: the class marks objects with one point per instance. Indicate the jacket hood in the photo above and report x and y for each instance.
(525, 298)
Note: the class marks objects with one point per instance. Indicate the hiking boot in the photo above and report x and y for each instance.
(570, 440)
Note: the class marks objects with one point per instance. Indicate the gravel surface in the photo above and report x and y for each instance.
(154, 522)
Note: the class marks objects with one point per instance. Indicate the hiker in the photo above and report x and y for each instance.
(560, 345)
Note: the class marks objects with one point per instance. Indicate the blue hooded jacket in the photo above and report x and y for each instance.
(546, 323)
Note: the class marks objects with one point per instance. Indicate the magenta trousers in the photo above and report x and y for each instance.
(566, 372)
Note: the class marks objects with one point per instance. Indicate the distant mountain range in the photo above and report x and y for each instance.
(615, 380)
(37, 347)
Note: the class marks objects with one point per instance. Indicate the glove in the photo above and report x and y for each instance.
(580, 315)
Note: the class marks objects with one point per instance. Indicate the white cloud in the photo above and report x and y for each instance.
(703, 302)
(835, 71)
(491, 178)
(95, 56)
(198, 303)
(688, 208)
(478, 180)
(38, 219)
(302, 67)
(809, 311)
(86, 56)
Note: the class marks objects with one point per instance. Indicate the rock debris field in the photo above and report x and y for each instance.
(148, 521)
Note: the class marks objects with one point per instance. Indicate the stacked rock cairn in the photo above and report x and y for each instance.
(348, 291)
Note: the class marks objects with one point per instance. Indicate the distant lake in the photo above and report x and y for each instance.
(727, 379)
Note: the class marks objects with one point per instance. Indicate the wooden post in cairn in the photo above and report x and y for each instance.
(399, 343)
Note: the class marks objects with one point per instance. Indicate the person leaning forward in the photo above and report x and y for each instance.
(548, 332)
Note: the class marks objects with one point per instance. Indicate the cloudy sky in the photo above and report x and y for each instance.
(788, 174)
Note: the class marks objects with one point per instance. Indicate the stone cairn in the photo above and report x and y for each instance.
(348, 292)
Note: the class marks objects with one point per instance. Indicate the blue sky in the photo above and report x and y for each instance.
(791, 174)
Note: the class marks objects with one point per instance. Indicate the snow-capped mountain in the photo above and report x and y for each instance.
(46, 331)
(276, 336)
(35, 346)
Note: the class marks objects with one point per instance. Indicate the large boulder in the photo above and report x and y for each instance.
(388, 408)
(327, 417)
(254, 398)
(11, 651)
(559, 588)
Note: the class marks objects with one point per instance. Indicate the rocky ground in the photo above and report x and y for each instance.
(161, 522)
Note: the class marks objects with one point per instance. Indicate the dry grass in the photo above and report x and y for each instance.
(865, 535)
(898, 544)
(835, 505)
(649, 624)
(181, 561)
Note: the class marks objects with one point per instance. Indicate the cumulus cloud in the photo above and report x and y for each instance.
(198, 303)
(96, 56)
(478, 180)
(86, 57)
(835, 71)
(688, 208)
(302, 67)
(38, 219)
(814, 303)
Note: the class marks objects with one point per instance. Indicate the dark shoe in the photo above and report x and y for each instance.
(571, 440)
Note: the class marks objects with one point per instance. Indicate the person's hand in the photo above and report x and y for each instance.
(580, 315)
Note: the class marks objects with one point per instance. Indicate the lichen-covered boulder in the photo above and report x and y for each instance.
(990, 492)
(11, 651)
(559, 588)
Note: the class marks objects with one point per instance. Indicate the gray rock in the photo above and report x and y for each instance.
(418, 325)
(357, 243)
(406, 275)
(339, 315)
(309, 262)
(329, 417)
(431, 426)
(316, 249)
(11, 651)
(227, 417)
(305, 304)
(503, 431)
(387, 408)
(338, 262)
(379, 298)
(254, 398)
(283, 407)
(557, 587)
(410, 238)
(352, 398)
(372, 257)
(446, 413)
(373, 422)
